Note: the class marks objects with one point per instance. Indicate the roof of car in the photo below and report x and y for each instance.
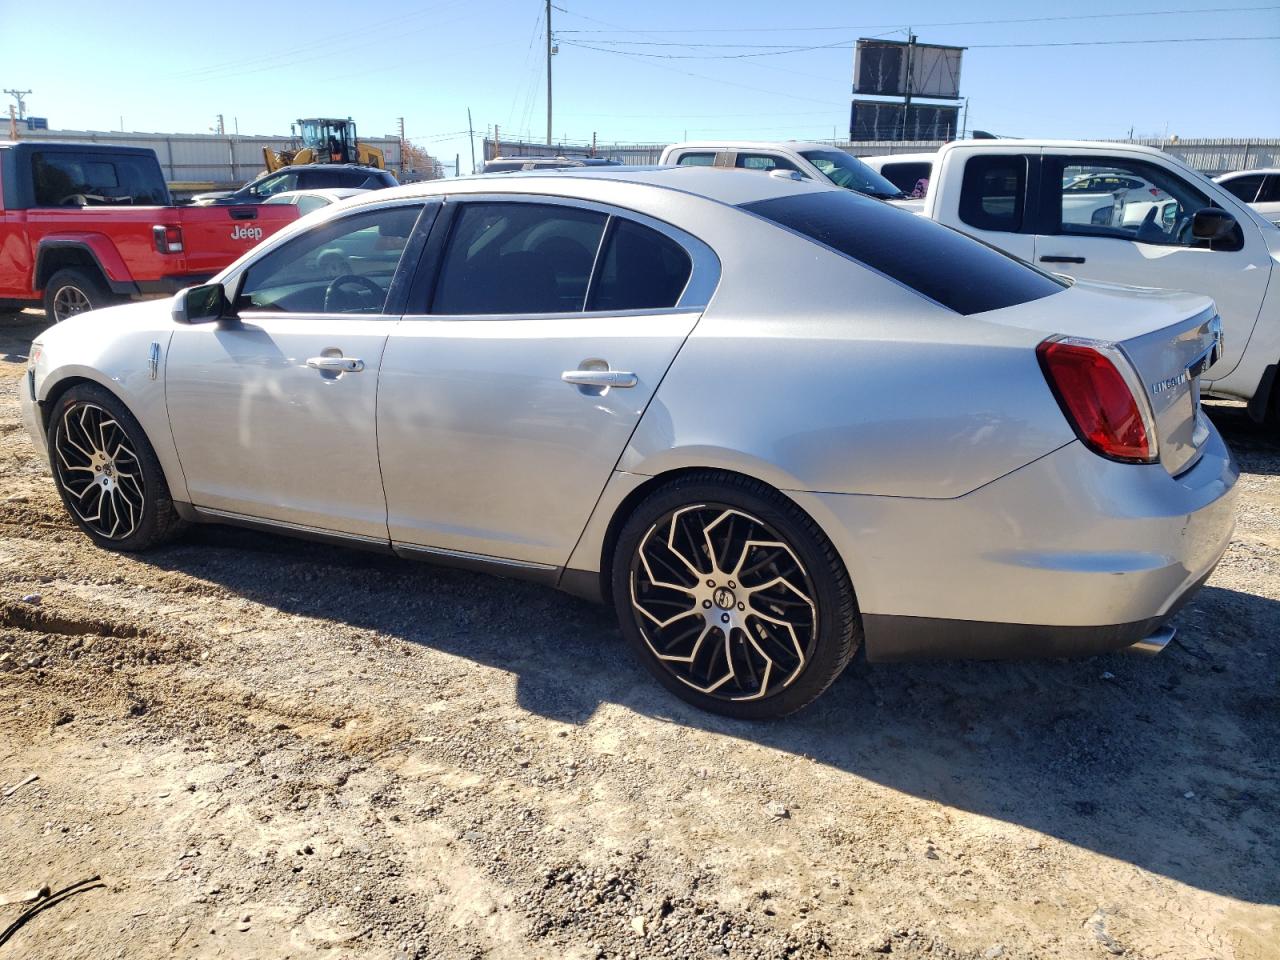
(725, 186)
(339, 193)
(328, 166)
(1272, 171)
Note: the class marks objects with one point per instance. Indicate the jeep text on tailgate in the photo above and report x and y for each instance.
(87, 225)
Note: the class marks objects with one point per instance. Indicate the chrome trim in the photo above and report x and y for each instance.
(153, 360)
(212, 513)
(600, 378)
(479, 558)
(335, 364)
(1150, 646)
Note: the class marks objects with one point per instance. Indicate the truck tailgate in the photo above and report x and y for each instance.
(214, 237)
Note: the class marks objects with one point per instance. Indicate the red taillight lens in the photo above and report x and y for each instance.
(168, 239)
(1097, 399)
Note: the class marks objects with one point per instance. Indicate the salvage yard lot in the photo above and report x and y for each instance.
(269, 748)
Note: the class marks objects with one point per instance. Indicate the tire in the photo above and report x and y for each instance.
(795, 599)
(107, 473)
(72, 290)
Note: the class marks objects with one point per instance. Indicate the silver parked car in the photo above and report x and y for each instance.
(769, 420)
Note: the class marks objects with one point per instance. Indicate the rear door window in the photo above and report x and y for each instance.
(640, 269)
(993, 192)
(65, 179)
(518, 258)
(944, 265)
(696, 160)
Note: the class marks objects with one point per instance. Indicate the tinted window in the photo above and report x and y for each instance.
(641, 269)
(518, 258)
(907, 176)
(311, 205)
(96, 179)
(376, 181)
(763, 161)
(1271, 192)
(345, 266)
(942, 264)
(275, 184)
(993, 192)
(1244, 188)
(696, 160)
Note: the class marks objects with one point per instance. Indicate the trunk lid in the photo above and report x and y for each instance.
(1170, 338)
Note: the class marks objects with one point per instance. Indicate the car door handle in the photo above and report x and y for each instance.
(1058, 259)
(336, 364)
(600, 378)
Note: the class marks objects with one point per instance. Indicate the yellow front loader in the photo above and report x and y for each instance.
(325, 140)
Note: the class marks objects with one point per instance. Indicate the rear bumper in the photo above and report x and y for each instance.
(1070, 555)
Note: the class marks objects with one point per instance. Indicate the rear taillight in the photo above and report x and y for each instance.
(168, 239)
(1101, 396)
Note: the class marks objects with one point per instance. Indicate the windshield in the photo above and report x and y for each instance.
(850, 172)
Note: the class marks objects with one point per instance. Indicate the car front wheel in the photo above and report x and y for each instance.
(733, 597)
(107, 473)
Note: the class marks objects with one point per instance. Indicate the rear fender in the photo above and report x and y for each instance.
(92, 250)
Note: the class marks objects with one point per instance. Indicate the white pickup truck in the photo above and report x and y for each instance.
(1120, 213)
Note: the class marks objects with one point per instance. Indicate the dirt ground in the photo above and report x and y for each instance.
(268, 749)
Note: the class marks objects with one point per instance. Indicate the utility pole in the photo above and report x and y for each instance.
(21, 97)
(906, 106)
(222, 127)
(964, 124)
(548, 73)
(401, 122)
(471, 139)
(13, 123)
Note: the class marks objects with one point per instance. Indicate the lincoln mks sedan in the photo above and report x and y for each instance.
(771, 421)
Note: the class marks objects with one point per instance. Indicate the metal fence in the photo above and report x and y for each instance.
(211, 160)
(1209, 156)
(631, 154)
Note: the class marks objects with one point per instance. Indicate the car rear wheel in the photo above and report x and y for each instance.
(733, 597)
(71, 291)
(107, 473)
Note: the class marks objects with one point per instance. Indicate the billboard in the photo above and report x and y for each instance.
(877, 120)
(880, 69)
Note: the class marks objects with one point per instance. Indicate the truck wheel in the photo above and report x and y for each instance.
(71, 291)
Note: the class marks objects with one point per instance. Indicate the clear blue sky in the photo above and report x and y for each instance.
(170, 67)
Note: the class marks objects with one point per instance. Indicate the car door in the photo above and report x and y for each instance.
(1144, 238)
(273, 414)
(511, 387)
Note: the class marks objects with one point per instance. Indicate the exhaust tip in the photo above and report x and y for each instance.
(1150, 646)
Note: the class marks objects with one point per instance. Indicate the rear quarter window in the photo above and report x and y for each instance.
(944, 265)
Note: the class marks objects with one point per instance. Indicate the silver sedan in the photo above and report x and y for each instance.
(769, 420)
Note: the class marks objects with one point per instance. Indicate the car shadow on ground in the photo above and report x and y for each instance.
(1170, 763)
(1256, 446)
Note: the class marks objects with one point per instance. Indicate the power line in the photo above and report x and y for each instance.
(849, 42)
(1113, 43)
(939, 23)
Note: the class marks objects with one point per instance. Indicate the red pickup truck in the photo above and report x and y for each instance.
(87, 225)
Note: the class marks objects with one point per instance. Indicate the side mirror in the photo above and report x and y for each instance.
(206, 304)
(1211, 224)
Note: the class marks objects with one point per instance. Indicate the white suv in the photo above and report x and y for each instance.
(1258, 188)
